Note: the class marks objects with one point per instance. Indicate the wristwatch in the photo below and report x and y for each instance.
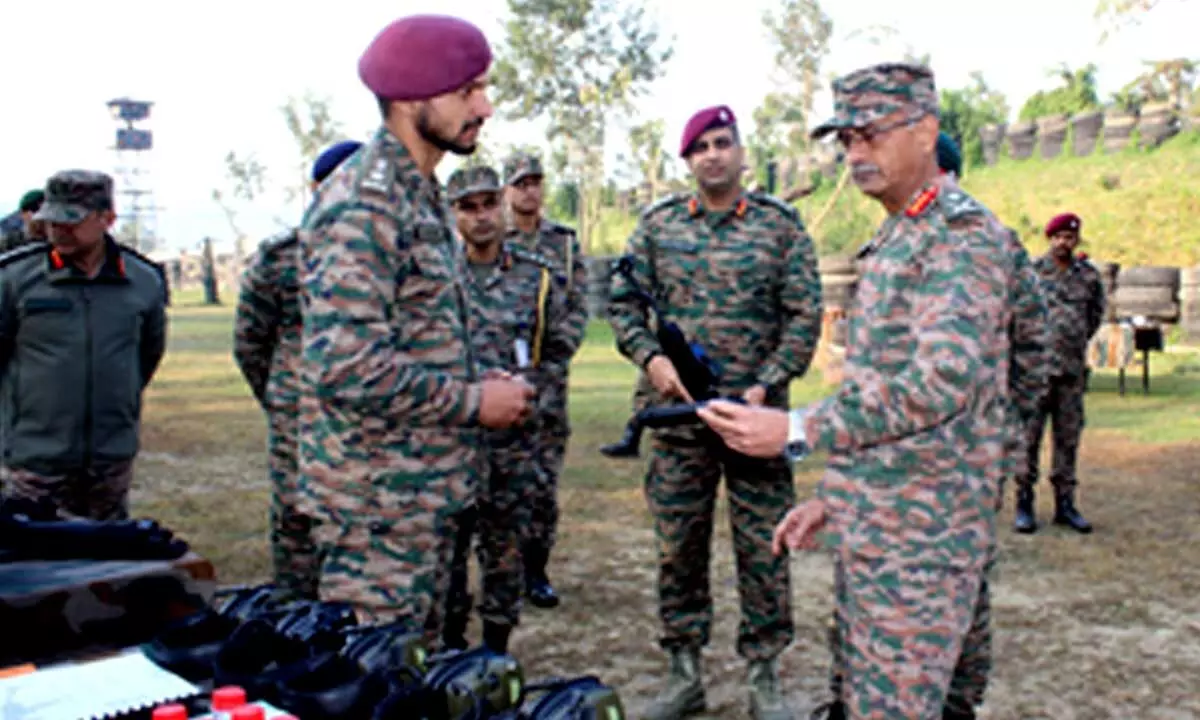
(797, 447)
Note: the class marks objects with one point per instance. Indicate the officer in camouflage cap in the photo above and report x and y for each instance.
(918, 429)
(80, 314)
(523, 176)
(518, 310)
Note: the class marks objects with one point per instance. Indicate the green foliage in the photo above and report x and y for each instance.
(1076, 94)
(1138, 207)
(965, 111)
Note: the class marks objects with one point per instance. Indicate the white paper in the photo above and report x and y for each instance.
(91, 690)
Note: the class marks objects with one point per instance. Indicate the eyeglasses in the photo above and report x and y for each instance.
(870, 133)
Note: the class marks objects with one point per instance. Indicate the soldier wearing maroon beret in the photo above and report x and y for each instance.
(1075, 296)
(391, 401)
(737, 271)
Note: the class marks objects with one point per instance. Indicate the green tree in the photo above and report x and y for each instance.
(577, 64)
(647, 154)
(311, 124)
(965, 112)
(1075, 94)
(799, 31)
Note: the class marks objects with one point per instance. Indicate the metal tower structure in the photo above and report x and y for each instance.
(135, 188)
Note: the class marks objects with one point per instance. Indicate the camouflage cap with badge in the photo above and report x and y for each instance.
(72, 195)
(868, 95)
(470, 180)
(520, 166)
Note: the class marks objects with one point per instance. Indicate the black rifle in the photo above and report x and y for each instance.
(698, 372)
(28, 531)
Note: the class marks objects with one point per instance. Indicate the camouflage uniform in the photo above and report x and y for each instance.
(389, 442)
(1075, 297)
(266, 346)
(76, 354)
(1028, 377)
(559, 244)
(519, 299)
(744, 285)
(917, 432)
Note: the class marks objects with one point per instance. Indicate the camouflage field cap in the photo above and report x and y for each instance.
(471, 180)
(867, 95)
(520, 166)
(71, 195)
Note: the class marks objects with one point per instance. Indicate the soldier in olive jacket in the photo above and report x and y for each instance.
(82, 330)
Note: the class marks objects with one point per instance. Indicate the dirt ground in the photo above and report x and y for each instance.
(1106, 626)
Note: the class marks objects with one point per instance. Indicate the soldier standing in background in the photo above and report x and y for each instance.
(519, 326)
(82, 331)
(1027, 386)
(917, 431)
(737, 271)
(391, 401)
(1075, 295)
(266, 347)
(31, 230)
(523, 178)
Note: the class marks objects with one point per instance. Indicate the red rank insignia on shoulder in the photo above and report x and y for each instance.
(923, 201)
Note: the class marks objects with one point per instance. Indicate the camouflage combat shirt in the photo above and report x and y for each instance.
(1075, 295)
(916, 432)
(391, 403)
(742, 283)
(267, 323)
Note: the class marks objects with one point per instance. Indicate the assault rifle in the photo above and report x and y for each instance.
(29, 531)
(698, 372)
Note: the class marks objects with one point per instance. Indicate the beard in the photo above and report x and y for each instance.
(430, 135)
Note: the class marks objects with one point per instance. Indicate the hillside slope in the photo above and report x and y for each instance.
(1138, 208)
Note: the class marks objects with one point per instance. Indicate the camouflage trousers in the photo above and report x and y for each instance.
(98, 492)
(552, 451)
(498, 526)
(392, 569)
(908, 641)
(1064, 407)
(681, 491)
(293, 551)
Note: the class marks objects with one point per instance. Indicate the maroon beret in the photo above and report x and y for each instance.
(711, 117)
(1066, 221)
(422, 56)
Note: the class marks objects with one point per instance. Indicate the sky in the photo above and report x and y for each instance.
(219, 71)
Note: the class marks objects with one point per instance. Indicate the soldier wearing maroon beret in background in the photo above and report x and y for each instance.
(1075, 297)
(737, 271)
(391, 399)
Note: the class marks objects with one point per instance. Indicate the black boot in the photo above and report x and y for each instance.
(1066, 514)
(537, 584)
(495, 637)
(627, 446)
(1026, 519)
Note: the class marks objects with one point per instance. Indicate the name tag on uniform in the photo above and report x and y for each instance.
(430, 232)
(40, 305)
(679, 246)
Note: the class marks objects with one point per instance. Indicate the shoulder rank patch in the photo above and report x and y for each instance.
(760, 198)
(957, 205)
(24, 251)
(663, 203)
(280, 241)
(523, 253)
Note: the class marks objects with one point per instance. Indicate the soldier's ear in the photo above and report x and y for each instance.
(109, 217)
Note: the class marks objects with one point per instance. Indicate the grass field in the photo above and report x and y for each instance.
(1138, 207)
(1106, 626)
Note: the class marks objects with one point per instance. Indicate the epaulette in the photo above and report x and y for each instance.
(22, 252)
(279, 241)
(157, 267)
(771, 201)
(957, 205)
(532, 256)
(663, 203)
